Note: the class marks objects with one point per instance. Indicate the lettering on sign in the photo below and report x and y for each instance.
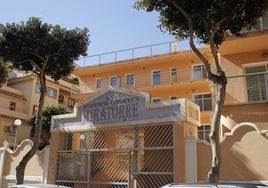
(113, 108)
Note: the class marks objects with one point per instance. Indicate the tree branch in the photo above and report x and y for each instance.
(191, 40)
(29, 60)
(213, 46)
(38, 55)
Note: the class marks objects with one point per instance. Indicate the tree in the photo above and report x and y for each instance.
(45, 50)
(47, 113)
(4, 68)
(210, 22)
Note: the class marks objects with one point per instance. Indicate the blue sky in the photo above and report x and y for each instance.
(113, 24)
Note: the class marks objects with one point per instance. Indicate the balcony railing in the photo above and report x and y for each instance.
(245, 88)
(145, 80)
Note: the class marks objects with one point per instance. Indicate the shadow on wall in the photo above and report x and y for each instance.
(244, 155)
(36, 167)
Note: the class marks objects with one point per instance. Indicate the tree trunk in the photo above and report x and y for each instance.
(213, 174)
(20, 169)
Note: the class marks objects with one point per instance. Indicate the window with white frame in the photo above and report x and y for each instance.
(99, 83)
(114, 81)
(156, 77)
(199, 72)
(38, 88)
(204, 100)
(257, 83)
(130, 79)
(51, 92)
(173, 75)
(203, 132)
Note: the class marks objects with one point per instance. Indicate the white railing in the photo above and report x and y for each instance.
(134, 53)
(245, 88)
(143, 80)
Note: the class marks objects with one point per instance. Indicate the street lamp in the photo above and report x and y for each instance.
(17, 122)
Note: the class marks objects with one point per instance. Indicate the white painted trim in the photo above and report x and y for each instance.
(191, 159)
(2, 160)
(46, 164)
(26, 178)
(254, 126)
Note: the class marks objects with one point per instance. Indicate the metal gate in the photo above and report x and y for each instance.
(140, 156)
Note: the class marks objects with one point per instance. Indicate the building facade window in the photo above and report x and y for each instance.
(199, 72)
(114, 81)
(173, 98)
(156, 77)
(38, 88)
(51, 92)
(257, 84)
(203, 132)
(99, 83)
(61, 99)
(204, 101)
(71, 103)
(12, 106)
(130, 79)
(173, 75)
(156, 100)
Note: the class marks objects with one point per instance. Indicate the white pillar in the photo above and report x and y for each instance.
(2, 161)
(191, 160)
(46, 164)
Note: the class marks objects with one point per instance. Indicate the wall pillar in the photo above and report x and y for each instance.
(2, 161)
(46, 164)
(191, 158)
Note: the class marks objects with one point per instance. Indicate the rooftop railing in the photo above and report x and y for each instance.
(134, 53)
(148, 50)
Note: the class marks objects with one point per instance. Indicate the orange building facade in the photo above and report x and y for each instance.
(144, 121)
(129, 153)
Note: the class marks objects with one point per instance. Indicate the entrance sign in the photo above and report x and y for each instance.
(120, 109)
(116, 107)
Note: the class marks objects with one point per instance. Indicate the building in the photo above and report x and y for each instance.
(133, 152)
(19, 100)
(12, 107)
(137, 119)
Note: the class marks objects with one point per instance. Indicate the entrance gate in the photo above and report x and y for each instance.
(139, 156)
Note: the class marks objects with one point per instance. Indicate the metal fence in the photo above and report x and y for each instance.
(134, 53)
(244, 88)
(247, 88)
(142, 80)
(150, 50)
(118, 157)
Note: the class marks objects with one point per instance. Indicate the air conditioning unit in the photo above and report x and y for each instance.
(8, 128)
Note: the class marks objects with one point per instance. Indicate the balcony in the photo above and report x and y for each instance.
(180, 78)
(246, 88)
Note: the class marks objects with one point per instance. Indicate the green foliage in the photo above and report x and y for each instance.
(47, 113)
(205, 15)
(4, 69)
(32, 44)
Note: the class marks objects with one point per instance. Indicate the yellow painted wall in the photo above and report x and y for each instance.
(243, 157)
